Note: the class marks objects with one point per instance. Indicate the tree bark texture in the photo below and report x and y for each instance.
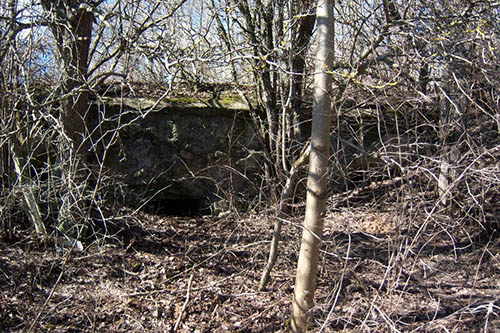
(71, 26)
(298, 67)
(72, 29)
(307, 267)
(76, 105)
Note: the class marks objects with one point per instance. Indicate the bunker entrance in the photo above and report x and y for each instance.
(189, 207)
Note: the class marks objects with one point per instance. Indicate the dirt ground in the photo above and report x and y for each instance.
(380, 272)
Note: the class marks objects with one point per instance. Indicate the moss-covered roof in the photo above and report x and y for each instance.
(228, 102)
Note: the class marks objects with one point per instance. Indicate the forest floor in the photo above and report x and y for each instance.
(379, 272)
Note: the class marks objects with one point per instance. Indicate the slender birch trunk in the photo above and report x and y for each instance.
(307, 266)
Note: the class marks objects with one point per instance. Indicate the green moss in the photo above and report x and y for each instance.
(230, 102)
(182, 100)
(223, 100)
(230, 99)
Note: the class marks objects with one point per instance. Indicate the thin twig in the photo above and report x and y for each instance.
(40, 311)
(188, 294)
(339, 285)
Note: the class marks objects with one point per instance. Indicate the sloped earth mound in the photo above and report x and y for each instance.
(166, 274)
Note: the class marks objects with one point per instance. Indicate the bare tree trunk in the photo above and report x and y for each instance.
(298, 65)
(27, 185)
(444, 165)
(286, 197)
(72, 29)
(307, 266)
(449, 114)
(16, 145)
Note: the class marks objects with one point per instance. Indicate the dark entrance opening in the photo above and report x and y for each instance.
(179, 207)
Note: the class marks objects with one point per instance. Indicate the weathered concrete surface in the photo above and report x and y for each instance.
(176, 149)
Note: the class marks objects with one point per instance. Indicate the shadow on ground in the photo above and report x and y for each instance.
(154, 274)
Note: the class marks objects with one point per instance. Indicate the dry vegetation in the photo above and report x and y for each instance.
(411, 240)
(389, 269)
